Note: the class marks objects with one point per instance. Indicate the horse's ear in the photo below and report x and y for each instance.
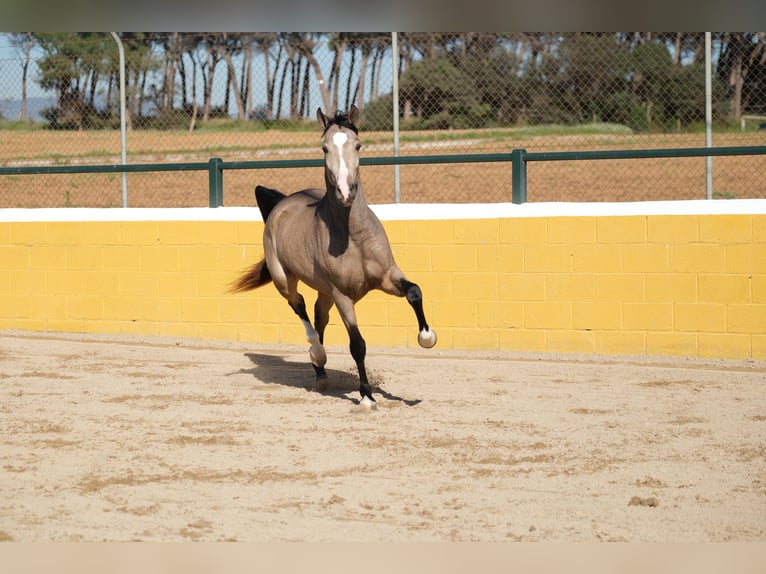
(322, 119)
(353, 115)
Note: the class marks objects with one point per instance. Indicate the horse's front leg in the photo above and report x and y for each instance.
(357, 345)
(395, 283)
(426, 335)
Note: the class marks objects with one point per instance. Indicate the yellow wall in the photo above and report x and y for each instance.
(692, 285)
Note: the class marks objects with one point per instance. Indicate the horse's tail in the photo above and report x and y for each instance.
(257, 276)
(267, 198)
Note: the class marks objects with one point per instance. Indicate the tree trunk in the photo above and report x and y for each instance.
(141, 93)
(362, 76)
(249, 84)
(241, 113)
(24, 72)
(376, 65)
(269, 86)
(305, 91)
(294, 86)
(737, 80)
(323, 88)
(209, 86)
(340, 48)
(195, 105)
(227, 91)
(93, 88)
(350, 76)
(170, 74)
(271, 113)
(289, 63)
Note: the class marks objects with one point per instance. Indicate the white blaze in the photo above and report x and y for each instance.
(339, 139)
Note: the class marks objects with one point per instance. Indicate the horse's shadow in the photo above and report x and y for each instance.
(275, 370)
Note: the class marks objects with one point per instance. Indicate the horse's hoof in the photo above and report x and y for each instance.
(368, 404)
(427, 338)
(318, 355)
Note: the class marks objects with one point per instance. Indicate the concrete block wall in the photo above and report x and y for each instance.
(642, 279)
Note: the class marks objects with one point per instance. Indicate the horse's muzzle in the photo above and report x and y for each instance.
(347, 201)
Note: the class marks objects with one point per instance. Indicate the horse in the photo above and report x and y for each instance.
(334, 243)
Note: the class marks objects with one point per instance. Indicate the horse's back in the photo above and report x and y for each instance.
(298, 205)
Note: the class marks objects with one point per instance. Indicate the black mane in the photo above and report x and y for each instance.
(341, 119)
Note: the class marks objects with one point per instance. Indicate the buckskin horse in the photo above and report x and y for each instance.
(333, 242)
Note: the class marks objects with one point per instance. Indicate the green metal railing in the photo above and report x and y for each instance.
(521, 157)
(518, 159)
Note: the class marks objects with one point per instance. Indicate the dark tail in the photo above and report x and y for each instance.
(267, 198)
(257, 276)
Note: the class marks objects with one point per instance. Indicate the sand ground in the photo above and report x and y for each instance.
(123, 438)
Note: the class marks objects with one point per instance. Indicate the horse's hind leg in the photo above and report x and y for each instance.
(321, 317)
(316, 352)
(287, 285)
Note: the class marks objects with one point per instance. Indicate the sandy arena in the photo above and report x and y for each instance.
(126, 438)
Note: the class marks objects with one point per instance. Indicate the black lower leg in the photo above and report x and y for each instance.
(358, 352)
(415, 299)
(320, 372)
(300, 309)
(321, 319)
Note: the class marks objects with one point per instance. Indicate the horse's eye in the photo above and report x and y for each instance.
(324, 148)
(358, 146)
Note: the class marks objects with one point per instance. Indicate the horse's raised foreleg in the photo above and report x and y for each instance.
(395, 283)
(357, 345)
(426, 336)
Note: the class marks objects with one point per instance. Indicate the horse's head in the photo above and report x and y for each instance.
(341, 153)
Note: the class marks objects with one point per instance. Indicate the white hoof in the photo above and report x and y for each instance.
(318, 355)
(368, 405)
(427, 338)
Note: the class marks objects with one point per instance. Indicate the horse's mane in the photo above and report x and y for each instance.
(341, 119)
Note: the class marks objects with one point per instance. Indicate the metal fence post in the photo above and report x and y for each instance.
(395, 94)
(708, 115)
(519, 177)
(215, 177)
(123, 128)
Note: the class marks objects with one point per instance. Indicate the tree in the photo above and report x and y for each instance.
(231, 44)
(652, 70)
(212, 58)
(264, 42)
(593, 68)
(23, 42)
(70, 67)
(437, 90)
(140, 60)
(742, 54)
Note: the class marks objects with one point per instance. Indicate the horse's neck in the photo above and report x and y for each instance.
(347, 219)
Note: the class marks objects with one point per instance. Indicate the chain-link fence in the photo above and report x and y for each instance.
(251, 96)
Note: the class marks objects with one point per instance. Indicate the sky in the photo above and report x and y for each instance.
(11, 74)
